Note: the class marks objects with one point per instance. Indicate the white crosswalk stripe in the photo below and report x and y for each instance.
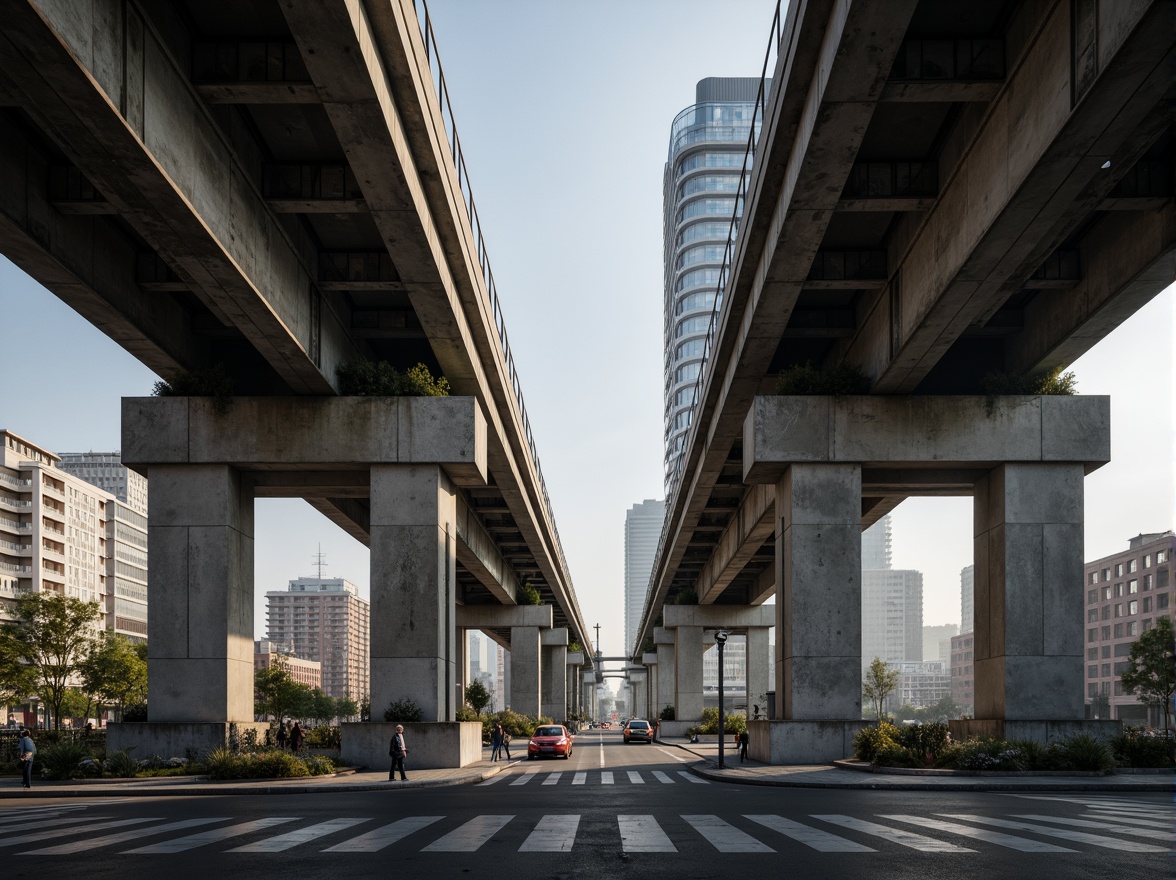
(822, 841)
(894, 835)
(1023, 844)
(92, 843)
(493, 780)
(661, 777)
(17, 827)
(552, 778)
(204, 838)
(470, 836)
(642, 834)
(552, 834)
(635, 778)
(580, 778)
(1132, 820)
(690, 777)
(606, 777)
(725, 837)
(35, 836)
(1076, 836)
(526, 777)
(291, 839)
(379, 838)
(1149, 833)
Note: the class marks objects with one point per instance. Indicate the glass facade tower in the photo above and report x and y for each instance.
(708, 141)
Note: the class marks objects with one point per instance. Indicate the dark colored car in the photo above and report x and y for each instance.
(550, 740)
(638, 731)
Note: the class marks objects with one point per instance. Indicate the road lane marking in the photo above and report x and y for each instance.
(183, 844)
(1131, 820)
(675, 756)
(606, 777)
(77, 829)
(1011, 841)
(1076, 836)
(724, 837)
(579, 778)
(635, 778)
(643, 834)
(815, 838)
(661, 777)
(894, 835)
(291, 839)
(470, 836)
(378, 838)
(553, 778)
(602, 752)
(18, 827)
(493, 779)
(552, 834)
(690, 777)
(526, 777)
(122, 837)
(1150, 833)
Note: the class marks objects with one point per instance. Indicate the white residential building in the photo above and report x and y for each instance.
(643, 525)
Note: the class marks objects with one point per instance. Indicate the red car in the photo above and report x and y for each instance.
(550, 739)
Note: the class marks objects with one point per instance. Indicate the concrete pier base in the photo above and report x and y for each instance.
(431, 745)
(178, 739)
(802, 742)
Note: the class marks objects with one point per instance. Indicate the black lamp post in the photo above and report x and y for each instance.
(720, 640)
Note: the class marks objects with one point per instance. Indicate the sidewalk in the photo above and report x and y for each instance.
(825, 776)
(750, 773)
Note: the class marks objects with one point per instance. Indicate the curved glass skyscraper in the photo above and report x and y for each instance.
(708, 141)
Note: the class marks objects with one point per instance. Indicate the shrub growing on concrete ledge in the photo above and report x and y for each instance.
(403, 711)
(805, 379)
(364, 378)
(528, 594)
(215, 383)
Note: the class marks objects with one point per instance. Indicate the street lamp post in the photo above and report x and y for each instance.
(720, 640)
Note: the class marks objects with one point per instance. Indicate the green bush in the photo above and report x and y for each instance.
(465, 713)
(1136, 747)
(1053, 382)
(925, 741)
(990, 754)
(215, 383)
(364, 378)
(403, 711)
(325, 736)
(667, 713)
(222, 764)
(891, 754)
(805, 379)
(528, 594)
(870, 740)
(517, 725)
(66, 760)
(121, 765)
(1084, 752)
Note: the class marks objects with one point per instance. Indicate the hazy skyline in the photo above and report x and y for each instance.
(564, 114)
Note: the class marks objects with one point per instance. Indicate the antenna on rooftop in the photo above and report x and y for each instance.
(318, 560)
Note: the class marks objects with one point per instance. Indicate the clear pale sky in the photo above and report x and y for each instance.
(564, 113)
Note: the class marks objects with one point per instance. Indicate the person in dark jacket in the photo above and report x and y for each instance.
(398, 750)
(27, 750)
(281, 735)
(296, 737)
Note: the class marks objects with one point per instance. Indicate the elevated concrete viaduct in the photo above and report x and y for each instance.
(273, 190)
(940, 190)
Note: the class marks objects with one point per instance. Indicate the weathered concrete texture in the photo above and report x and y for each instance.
(553, 686)
(448, 431)
(715, 616)
(1037, 731)
(922, 430)
(802, 742)
(413, 584)
(758, 665)
(200, 569)
(430, 745)
(688, 650)
(1029, 630)
(526, 661)
(502, 616)
(588, 693)
(818, 614)
(666, 668)
(178, 739)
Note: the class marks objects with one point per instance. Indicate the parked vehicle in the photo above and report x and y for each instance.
(638, 731)
(550, 740)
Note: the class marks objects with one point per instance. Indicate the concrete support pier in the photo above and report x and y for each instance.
(688, 651)
(526, 670)
(666, 664)
(553, 686)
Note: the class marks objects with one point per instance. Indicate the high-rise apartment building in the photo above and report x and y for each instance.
(892, 603)
(1126, 593)
(937, 642)
(967, 602)
(106, 471)
(324, 619)
(643, 525)
(708, 141)
(963, 676)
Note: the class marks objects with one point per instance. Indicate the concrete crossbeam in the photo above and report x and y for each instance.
(718, 616)
(503, 616)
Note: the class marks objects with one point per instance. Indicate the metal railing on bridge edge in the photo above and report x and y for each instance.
(775, 38)
(434, 59)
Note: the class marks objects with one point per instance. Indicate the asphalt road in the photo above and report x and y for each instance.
(610, 811)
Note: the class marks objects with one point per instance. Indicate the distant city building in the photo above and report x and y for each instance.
(307, 672)
(963, 689)
(1126, 593)
(967, 602)
(106, 471)
(324, 619)
(937, 642)
(700, 187)
(643, 525)
(892, 603)
(734, 673)
(923, 684)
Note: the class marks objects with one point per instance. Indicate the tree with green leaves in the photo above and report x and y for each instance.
(1150, 674)
(477, 696)
(53, 635)
(17, 678)
(76, 705)
(322, 707)
(345, 707)
(278, 694)
(115, 672)
(879, 682)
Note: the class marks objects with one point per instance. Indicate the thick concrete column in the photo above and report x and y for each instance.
(650, 660)
(200, 574)
(575, 666)
(588, 693)
(1028, 552)
(757, 669)
(818, 612)
(526, 661)
(463, 665)
(553, 696)
(666, 667)
(413, 584)
(688, 649)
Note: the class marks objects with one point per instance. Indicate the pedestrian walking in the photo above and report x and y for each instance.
(296, 737)
(505, 741)
(27, 750)
(398, 751)
(744, 739)
(495, 742)
(281, 735)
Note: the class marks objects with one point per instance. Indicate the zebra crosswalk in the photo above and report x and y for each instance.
(1104, 825)
(596, 777)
